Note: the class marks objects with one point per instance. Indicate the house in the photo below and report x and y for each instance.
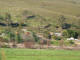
(58, 34)
(73, 39)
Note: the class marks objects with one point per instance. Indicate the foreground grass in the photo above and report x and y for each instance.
(32, 54)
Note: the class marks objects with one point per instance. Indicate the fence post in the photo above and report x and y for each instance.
(3, 57)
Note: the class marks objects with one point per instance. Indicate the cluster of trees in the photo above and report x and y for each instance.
(70, 33)
(67, 28)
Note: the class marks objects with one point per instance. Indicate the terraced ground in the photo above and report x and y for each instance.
(33, 54)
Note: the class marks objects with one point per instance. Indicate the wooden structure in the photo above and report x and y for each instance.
(28, 39)
(29, 44)
(44, 41)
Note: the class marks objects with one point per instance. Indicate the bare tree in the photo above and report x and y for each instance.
(61, 20)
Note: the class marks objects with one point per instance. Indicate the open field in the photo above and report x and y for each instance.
(30, 54)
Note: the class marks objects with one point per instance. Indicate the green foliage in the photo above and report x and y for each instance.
(65, 33)
(5, 46)
(70, 33)
(78, 32)
(71, 42)
(18, 38)
(55, 42)
(57, 37)
(35, 37)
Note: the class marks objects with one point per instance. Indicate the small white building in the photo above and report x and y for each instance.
(73, 39)
(58, 34)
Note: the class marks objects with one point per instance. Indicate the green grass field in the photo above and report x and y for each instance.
(33, 54)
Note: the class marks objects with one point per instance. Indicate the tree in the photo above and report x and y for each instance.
(18, 38)
(61, 20)
(35, 37)
(70, 33)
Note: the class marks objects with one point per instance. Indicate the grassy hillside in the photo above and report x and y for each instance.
(47, 9)
(44, 7)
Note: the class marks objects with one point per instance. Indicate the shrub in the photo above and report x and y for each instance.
(71, 42)
(66, 26)
(54, 42)
(5, 46)
(70, 33)
(18, 38)
(35, 37)
(57, 37)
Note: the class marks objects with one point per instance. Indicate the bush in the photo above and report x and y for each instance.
(5, 46)
(35, 37)
(70, 33)
(66, 26)
(57, 38)
(71, 42)
(54, 42)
